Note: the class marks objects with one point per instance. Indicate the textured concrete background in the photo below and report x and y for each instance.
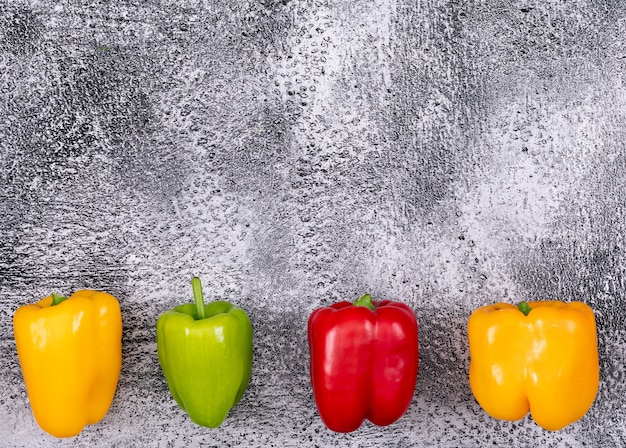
(448, 154)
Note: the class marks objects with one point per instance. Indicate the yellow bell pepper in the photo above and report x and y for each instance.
(540, 356)
(70, 352)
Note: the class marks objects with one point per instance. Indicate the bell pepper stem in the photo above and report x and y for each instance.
(365, 301)
(198, 297)
(524, 308)
(57, 298)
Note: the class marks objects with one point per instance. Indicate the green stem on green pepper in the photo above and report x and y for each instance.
(524, 308)
(365, 301)
(198, 297)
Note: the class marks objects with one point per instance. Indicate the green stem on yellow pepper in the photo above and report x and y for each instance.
(365, 301)
(524, 308)
(198, 297)
(57, 298)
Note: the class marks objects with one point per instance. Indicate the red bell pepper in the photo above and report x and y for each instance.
(363, 362)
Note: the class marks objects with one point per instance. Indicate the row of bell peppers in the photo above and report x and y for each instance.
(540, 357)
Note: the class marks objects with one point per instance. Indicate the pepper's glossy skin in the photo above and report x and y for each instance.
(71, 357)
(207, 362)
(545, 362)
(363, 363)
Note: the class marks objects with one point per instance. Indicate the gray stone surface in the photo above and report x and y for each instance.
(294, 153)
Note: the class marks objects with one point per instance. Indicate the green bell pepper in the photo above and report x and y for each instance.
(205, 353)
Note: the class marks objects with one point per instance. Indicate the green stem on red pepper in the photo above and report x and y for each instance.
(365, 301)
(524, 308)
(198, 297)
(57, 298)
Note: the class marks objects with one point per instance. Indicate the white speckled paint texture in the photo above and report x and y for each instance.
(296, 153)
